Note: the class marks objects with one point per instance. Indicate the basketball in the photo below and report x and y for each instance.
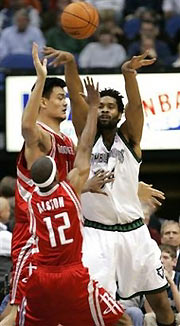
(79, 20)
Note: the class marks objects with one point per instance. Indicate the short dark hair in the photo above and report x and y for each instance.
(116, 95)
(50, 83)
(7, 186)
(169, 250)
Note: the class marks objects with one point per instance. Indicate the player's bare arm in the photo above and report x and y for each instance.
(79, 175)
(74, 85)
(36, 139)
(133, 126)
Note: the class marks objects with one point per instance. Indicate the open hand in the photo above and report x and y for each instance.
(96, 183)
(150, 195)
(137, 62)
(41, 68)
(93, 97)
(58, 57)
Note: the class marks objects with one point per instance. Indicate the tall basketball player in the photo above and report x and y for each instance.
(124, 251)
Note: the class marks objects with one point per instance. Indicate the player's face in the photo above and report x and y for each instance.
(108, 114)
(56, 105)
(171, 235)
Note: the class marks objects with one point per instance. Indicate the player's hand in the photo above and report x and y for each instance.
(137, 62)
(58, 57)
(41, 68)
(150, 195)
(168, 277)
(93, 97)
(96, 183)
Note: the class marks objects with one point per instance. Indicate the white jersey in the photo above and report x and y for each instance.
(122, 204)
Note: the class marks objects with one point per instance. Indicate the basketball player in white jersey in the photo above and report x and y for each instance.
(117, 246)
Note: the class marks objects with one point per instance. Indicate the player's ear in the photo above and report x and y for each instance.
(43, 102)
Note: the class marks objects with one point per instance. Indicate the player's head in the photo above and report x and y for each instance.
(168, 257)
(44, 172)
(53, 102)
(170, 233)
(110, 109)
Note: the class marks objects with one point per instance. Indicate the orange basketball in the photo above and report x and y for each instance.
(79, 20)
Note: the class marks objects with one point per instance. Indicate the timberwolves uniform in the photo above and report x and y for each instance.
(61, 291)
(63, 153)
(117, 245)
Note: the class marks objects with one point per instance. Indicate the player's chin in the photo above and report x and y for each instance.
(62, 117)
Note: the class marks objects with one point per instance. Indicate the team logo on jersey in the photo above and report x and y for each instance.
(160, 272)
(111, 304)
(104, 157)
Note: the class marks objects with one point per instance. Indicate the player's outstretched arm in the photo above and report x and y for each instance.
(78, 104)
(30, 131)
(133, 126)
(78, 176)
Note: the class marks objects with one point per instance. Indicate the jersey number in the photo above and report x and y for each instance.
(61, 229)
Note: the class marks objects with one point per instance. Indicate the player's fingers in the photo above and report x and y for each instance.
(102, 192)
(109, 180)
(158, 193)
(143, 55)
(35, 49)
(44, 62)
(48, 49)
(148, 62)
(156, 202)
(51, 55)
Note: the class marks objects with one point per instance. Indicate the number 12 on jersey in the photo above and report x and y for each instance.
(60, 229)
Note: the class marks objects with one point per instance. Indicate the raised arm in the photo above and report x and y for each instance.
(32, 133)
(133, 125)
(78, 104)
(79, 175)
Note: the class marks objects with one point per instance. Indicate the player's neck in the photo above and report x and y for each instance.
(54, 124)
(108, 137)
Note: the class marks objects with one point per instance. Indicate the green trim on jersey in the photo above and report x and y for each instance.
(128, 145)
(116, 227)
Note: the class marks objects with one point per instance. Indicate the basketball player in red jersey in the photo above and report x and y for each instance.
(47, 104)
(61, 290)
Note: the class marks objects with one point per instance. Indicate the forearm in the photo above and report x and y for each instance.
(86, 141)
(73, 80)
(176, 295)
(31, 111)
(132, 90)
(89, 132)
(78, 105)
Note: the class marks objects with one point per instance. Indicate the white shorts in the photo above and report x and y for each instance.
(131, 259)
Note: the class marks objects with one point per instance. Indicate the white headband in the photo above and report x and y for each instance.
(52, 176)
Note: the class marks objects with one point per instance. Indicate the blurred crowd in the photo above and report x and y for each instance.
(126, 28)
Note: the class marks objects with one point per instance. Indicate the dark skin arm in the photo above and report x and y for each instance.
(75, 88)
(133, 125)
(79, 175)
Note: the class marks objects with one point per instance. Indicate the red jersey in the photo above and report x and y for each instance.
(62, 151)
(55, 218)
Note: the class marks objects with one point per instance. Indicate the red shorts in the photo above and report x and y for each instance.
(67, 296)
(22, 245)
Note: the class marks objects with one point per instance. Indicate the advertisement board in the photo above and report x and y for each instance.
(160, 94)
